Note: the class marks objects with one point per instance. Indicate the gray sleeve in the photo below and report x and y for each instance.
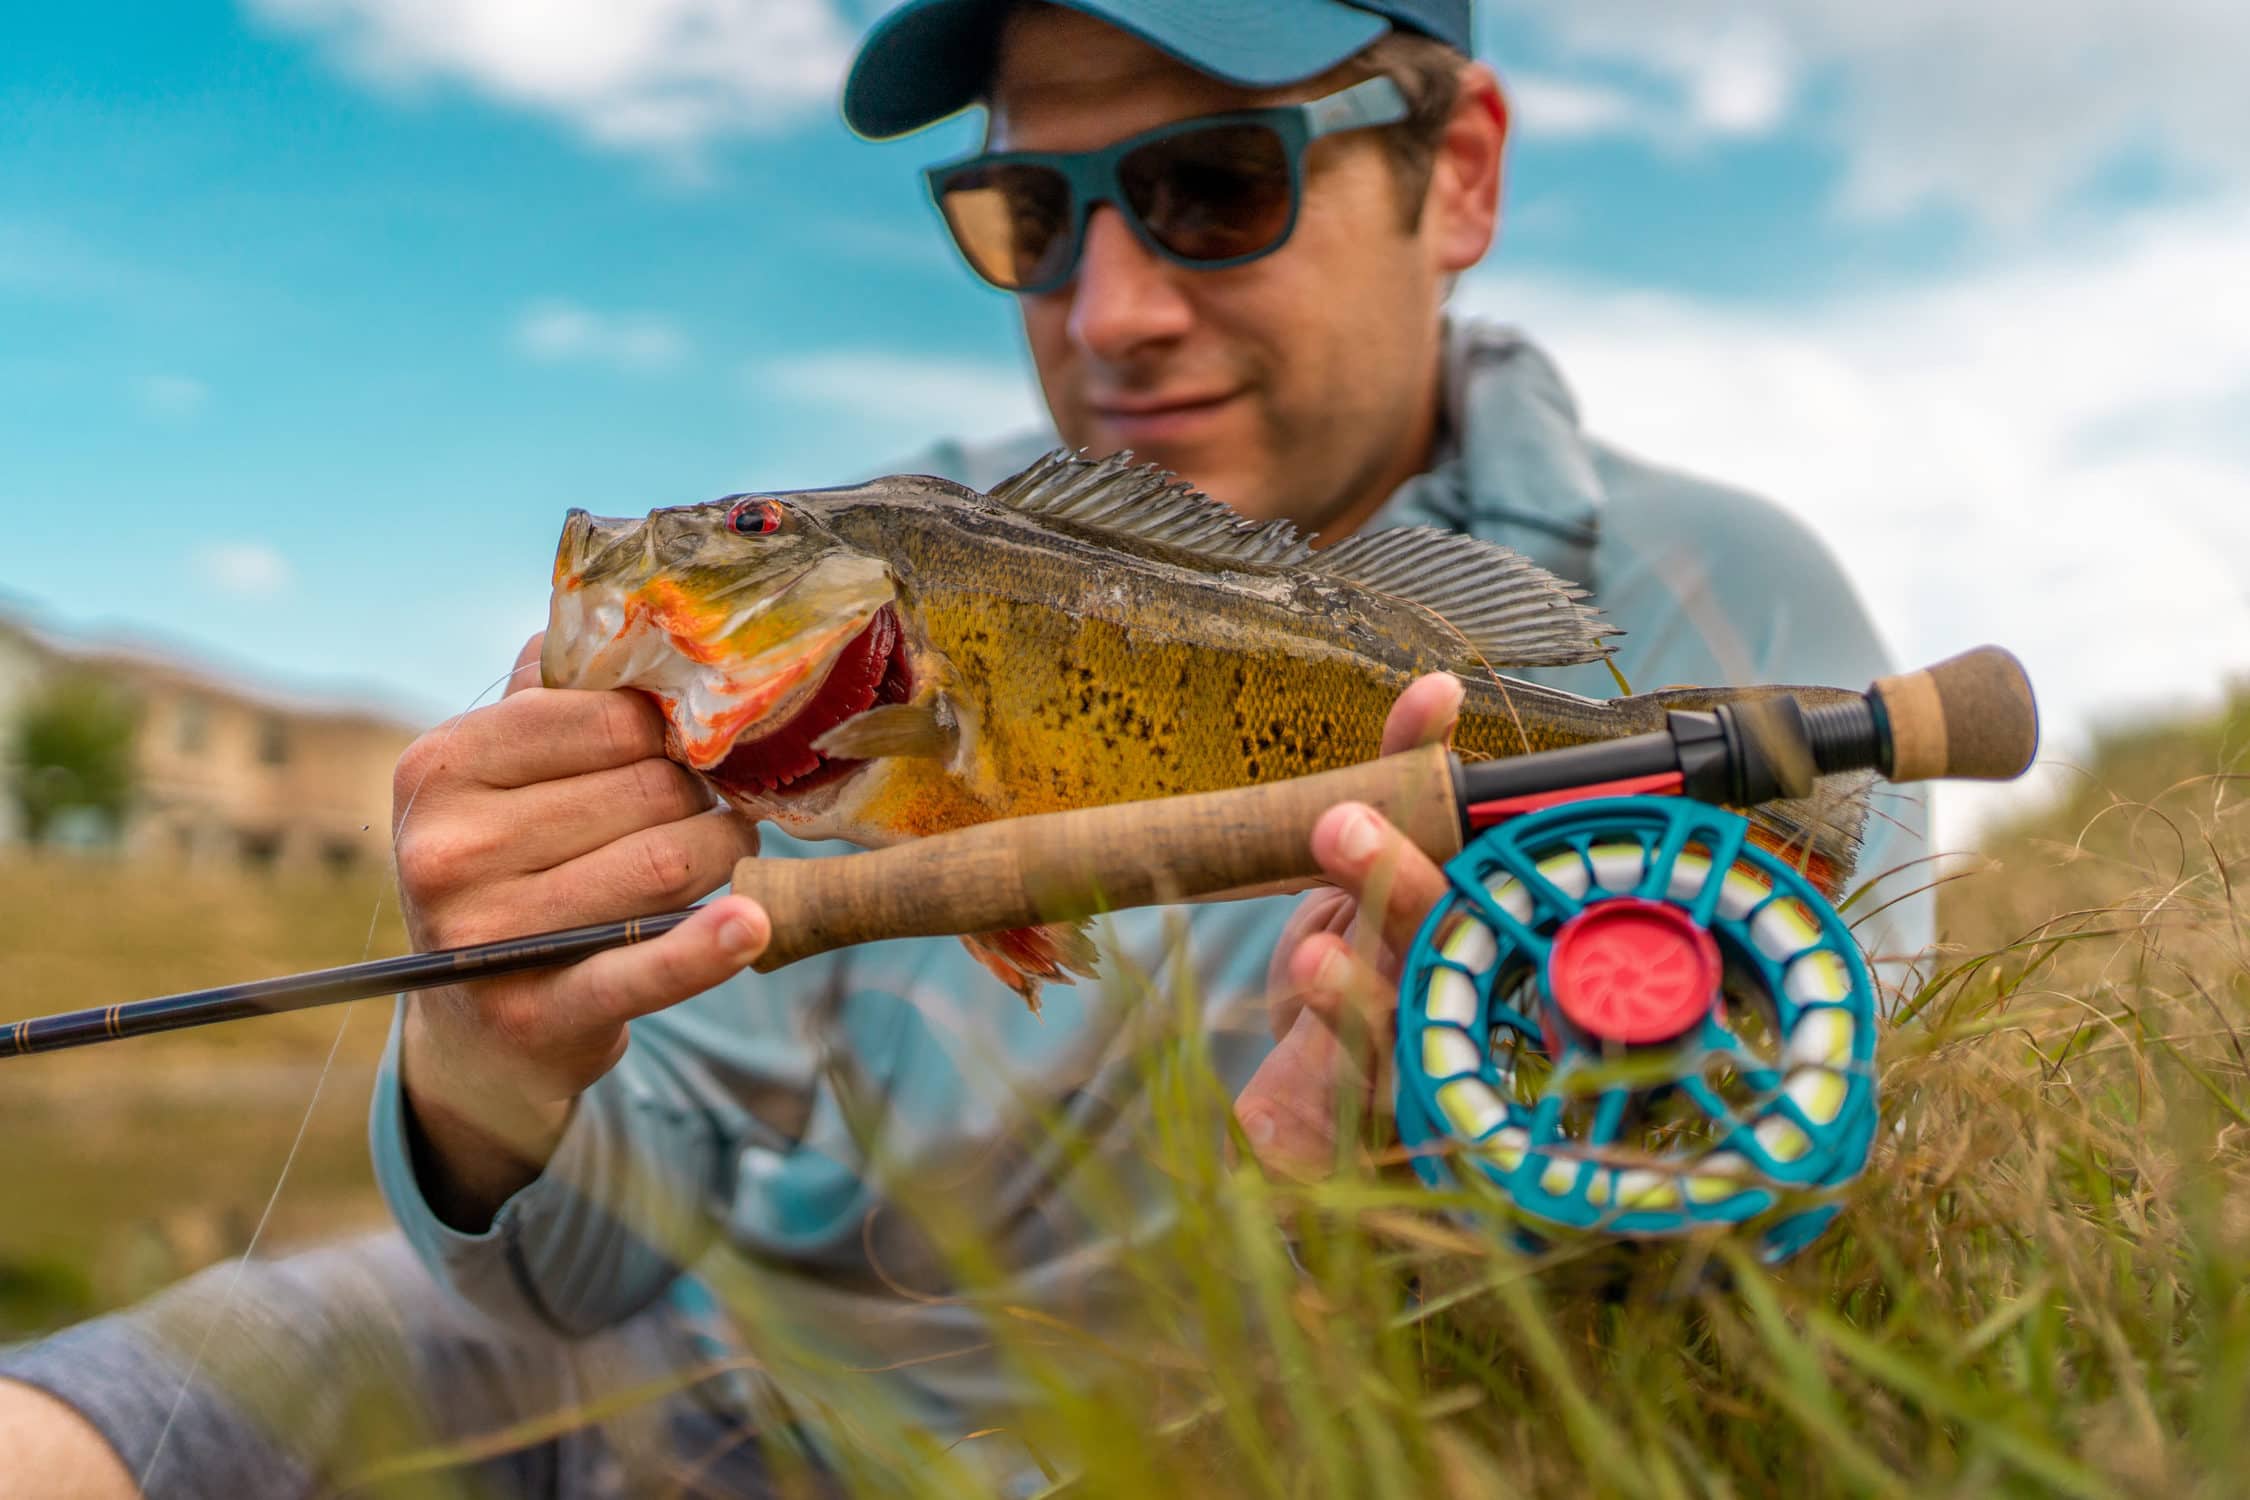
(271, 1378)
(649, 1168)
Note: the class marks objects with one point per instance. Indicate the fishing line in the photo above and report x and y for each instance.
(304, 1123)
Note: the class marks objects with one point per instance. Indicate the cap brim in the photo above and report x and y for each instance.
(931, 58)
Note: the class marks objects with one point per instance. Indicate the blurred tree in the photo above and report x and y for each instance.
(71, 752)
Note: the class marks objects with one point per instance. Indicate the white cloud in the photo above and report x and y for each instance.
(174, 397)
(1979, 449)
(1563, 109)
(919, 398)
(251, 570)
(1999, 108)
(664, 76)
(559, 332)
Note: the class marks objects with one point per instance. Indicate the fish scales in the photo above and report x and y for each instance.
(907, 657)
(1115, 674)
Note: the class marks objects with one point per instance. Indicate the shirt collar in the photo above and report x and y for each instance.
(1512, 464)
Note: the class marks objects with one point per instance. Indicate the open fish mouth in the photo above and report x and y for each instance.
(871, 670)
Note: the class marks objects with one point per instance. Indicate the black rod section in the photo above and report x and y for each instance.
(382, 976)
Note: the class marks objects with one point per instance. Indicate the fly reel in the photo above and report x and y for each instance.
(1629, 1019)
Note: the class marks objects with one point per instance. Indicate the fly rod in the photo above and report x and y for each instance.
(1970, 717)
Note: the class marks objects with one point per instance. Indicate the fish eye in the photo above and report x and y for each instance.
(755, 517)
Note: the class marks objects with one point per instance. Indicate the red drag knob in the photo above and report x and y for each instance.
(1633, 971)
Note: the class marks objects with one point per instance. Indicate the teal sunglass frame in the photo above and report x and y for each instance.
(1092, 178)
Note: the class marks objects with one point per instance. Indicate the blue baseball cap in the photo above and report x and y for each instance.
(931, 58)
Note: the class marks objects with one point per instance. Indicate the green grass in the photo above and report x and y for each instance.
(2040, 1287)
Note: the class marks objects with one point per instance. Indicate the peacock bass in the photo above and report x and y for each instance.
(908, 656)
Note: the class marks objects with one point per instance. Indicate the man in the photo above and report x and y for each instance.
(1262, 312)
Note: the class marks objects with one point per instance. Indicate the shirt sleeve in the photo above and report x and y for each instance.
(637, 1187)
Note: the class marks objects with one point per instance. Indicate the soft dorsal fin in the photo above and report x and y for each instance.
(1505, 608)
(1126, 499)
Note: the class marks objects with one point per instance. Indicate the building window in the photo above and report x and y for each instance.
(273, 741)
(193, 730)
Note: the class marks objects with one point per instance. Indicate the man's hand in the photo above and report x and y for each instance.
(1332, 988)
(548, 809)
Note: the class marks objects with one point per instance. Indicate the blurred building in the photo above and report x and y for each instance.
(225, 770)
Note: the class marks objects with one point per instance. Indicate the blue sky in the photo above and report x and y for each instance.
(316, 314)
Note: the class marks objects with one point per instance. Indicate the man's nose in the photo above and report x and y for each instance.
(1124, 297)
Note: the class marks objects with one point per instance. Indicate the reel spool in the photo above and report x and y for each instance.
(1629, 1019)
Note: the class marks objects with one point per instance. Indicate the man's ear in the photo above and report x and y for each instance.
(1461, 216)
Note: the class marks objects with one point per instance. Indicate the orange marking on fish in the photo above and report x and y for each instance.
(681, 616)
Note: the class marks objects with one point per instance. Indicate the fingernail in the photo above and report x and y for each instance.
(1334, 973)
(744, 936)
(1258, 1127)
(1358, 839)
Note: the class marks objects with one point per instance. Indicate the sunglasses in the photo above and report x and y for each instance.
(1217, 191)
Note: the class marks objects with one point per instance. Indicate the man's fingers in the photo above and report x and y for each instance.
(1396, 884)
(557, 821)
(658, 869)
(544, 734)
(1288, 1109)
(1323, 909)
(1345, 992)
(715, 944)
(1424, 714)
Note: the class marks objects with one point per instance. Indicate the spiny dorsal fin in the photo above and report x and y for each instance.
(1141, 500)
(1506, 607)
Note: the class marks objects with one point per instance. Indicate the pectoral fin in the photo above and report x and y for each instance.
(925, 730)
(1025, 957)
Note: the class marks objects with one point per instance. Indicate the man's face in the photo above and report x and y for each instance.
(1299, 385)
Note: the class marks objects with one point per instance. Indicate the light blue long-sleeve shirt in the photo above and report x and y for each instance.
(760, 1121)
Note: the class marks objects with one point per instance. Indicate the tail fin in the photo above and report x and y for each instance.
(1819, 835)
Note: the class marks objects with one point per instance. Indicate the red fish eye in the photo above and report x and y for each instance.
(755, 517)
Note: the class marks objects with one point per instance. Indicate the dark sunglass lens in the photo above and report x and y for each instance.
(1213, 194)
(1013, 222)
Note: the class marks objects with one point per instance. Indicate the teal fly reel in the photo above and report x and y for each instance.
(1629, 1019)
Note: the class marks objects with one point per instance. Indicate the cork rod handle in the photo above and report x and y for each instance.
(1971, 716)
(1063, 866)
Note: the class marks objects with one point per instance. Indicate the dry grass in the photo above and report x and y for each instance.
(132, 1164)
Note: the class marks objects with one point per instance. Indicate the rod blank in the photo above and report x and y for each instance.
(272, 997)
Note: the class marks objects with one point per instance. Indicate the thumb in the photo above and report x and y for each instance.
(1424, 713)
(526, 671)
